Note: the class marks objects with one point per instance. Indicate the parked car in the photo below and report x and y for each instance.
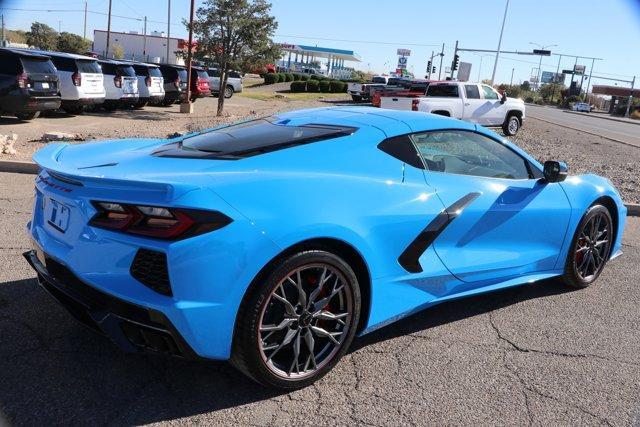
(275, 242)
(312, 71)
(478, 103)
(150, 84)
(361, 91)
(175, 83)
(582, 106)
(28, 84)
(120, 83)
(200, 87)
(234, 82)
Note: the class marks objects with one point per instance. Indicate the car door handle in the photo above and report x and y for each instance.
(466, 104)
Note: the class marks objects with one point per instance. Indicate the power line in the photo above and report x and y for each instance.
(88, 11)
(359, 41)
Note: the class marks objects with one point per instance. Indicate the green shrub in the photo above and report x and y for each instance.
(298, 86)
(304, 77)
(288, 77)
(296, 77)
(315, 77)
(281, 77)
(312, 85)
(529, 99)
(335, 86)
(325, 85)
(270, 78)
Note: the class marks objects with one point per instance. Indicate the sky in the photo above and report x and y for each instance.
(607, 29)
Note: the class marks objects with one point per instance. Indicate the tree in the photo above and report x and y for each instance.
(42, 36)
(526, 86)
(551, 91)
(72, 43)
(234, 33)
(118, 51)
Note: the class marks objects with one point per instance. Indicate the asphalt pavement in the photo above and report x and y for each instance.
(540, 354)
(593, 123)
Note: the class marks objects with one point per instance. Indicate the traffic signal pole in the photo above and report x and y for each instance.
(633, 82)
(454, 63)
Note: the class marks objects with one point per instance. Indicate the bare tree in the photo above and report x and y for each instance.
(234, 34)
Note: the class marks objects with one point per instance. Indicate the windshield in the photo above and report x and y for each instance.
(260, 136)
(88, 66)
(31, 65)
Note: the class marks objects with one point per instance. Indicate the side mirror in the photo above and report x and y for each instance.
(503, 97)
(555, 171)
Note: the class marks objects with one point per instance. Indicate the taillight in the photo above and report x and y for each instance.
(414, 104)
(155, 221)
(117, 81)
(147, 81)
(176, 82)
(203, 82)
(22, 80)
(76, 78)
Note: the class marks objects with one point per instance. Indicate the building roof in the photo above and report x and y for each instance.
(614, 90)
(322, 52)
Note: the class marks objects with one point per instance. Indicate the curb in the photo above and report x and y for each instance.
(17, 166)
(600, 116)
(582, 130)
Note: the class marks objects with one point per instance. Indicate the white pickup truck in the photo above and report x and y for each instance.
(474, 102)
(360, 91)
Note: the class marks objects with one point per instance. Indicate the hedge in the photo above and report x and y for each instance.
(270, 78)
(297, 77)
(281, 77)
(298, 86)
(324, 85)
(304, 77)
(337, 86)
(288, 77)
(312, 85)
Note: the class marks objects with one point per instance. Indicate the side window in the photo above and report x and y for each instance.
(9, 65)
(469, 153)
(445, 90)
(489, 93)
(213, 73)
(472, 91)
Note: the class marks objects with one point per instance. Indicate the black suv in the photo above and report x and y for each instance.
(175, 83)
(28, 84)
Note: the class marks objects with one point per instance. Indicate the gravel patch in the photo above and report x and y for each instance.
(584, 153)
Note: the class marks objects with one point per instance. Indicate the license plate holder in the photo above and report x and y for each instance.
(57, 215)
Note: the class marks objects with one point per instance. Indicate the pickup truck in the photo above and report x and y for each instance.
(361, 91)
(416, 89)
(474, 102)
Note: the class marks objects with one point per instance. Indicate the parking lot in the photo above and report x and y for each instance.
(539, 354)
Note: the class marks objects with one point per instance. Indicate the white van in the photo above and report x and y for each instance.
(120, 84)
(81, 81)
(150, 84)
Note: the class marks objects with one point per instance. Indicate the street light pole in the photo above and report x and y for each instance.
(441, 56)
(108, 30)
(633, 82)
(186, 106)
(511, 82)
(540, 63)
(495, 64)
(166, 60)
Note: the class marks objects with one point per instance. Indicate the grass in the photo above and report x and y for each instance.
(290, 96)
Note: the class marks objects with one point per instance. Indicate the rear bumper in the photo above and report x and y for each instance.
(23, 103)
(122, 102)
(82, 101)
(132, 327)
(151, 99)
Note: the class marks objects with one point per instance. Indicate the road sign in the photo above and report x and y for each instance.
(542, 52)
(447, 70)
(550, 77)
(579, 69)
(402, 62)
(404, 52)
(464, 71)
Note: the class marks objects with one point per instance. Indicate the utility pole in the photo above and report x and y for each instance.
(633, 82)
(2, 39)
(511, 82)
(441, 56)
(144, 40)
(455, 54)
(495, 64)
(166, 60)
(84, 34)
(186, 106)
(59, 26)
(108, 30)
(593, 63)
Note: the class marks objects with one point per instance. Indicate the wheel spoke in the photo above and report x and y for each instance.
(291, 333)
(323, 279)
(310, 342)
(326, 334)
(289, 308)
(286, 322)
(296, 354)
(327, 315)
(323, 302)
(582, 267)
(302, 296)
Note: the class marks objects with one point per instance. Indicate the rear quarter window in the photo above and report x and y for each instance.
(64, 64)
(446, 91)
(37, 66)
(9, 65)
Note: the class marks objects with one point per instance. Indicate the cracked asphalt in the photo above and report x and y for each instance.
(540, 354)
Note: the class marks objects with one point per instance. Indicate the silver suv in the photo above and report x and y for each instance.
(234, 82)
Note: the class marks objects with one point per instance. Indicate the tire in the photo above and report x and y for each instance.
(167, 102)
(356, 98)
(269, 356)
(75, 110)
(584, 245)
(511, 125)
(140, 105)
(109, 107)
(228, 92)
(31, 115)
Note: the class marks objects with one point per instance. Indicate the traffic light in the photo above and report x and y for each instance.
(434, 70)
(428, 65)
(454, 63)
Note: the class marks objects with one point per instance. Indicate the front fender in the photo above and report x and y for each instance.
(582, 191)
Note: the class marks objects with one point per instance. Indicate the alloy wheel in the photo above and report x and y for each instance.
(514, 124)
(305, 321)
(592, 247)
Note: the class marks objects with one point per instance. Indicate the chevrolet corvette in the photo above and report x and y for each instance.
(276, 241)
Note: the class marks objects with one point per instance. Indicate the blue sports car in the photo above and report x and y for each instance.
(274, 242)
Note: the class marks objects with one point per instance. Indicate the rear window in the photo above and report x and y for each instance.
(168, 73)
(419, 87)
(31, 65)
(155, 72)
(202, 74)
(183, 75)
(141, 70)
(126, 70)
(87, 66)
(64, 64)
(213, 73)
(260, 136)
(447, 91)
(378, 80)
(235, 75)
(108, 68)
